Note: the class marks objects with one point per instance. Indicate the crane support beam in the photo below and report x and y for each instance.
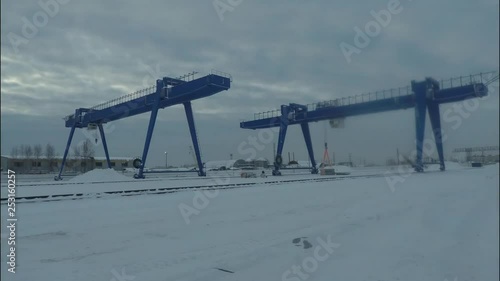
(105, 145)
(66, 151)
(160, 90)
(194, 138)
(420, 89)
(435, 117)
(278, 161)
(307, 137)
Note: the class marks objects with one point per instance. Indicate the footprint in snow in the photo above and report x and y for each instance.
(305, 244)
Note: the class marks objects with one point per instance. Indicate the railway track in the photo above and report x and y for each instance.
(59, 183)
(165, 190)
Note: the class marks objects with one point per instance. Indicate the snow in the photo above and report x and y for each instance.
(340, 169)
(179, 169)
(431, 226)
(300, 164)
(28, 187)
(216, 164)
(449, 166)
(91, 187)
(100, 175)
(120, 158)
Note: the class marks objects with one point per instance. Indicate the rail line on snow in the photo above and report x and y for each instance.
(154, 179)
(97, 182)
(165, 190)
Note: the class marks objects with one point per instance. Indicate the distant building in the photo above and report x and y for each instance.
(261, 163)
(44, 165)
(219, 165)
(300, 164)
(117, 163)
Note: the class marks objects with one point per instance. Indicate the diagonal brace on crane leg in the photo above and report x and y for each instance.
(160, 88)
(420, 90)
(278, 161)
(105, 145)
(307, 137)
(192, 130)
(435, 118)
(68, 144)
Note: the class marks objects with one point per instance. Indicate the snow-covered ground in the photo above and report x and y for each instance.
(432, 226)
(99, 175)
(104, 180)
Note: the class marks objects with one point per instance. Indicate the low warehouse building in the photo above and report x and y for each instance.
(44, 165)
(237, 164)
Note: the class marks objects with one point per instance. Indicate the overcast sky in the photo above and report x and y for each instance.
(278, 52)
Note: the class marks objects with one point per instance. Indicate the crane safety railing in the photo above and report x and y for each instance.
(477, 149)
(485, 77)
(361, 98)
(126, 98)
(149, 90)
(120, 100)
(222, 74)
(468, 80)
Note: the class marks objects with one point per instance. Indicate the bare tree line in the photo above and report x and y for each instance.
(82, 155)
(26, 151)
(35, 152)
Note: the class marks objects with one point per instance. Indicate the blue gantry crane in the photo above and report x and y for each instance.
(167, 92)
(424, 96)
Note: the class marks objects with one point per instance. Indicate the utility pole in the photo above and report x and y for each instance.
(166, 160)
(274, 151)
(191, 151)
(397, 155)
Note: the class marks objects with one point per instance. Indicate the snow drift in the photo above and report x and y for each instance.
(100, 175)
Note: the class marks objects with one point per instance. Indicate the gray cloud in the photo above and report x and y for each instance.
(278, 52)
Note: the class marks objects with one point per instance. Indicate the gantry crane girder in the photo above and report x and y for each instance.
(424, 96)
(167, 92)
(171, 92)
(476, 149)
